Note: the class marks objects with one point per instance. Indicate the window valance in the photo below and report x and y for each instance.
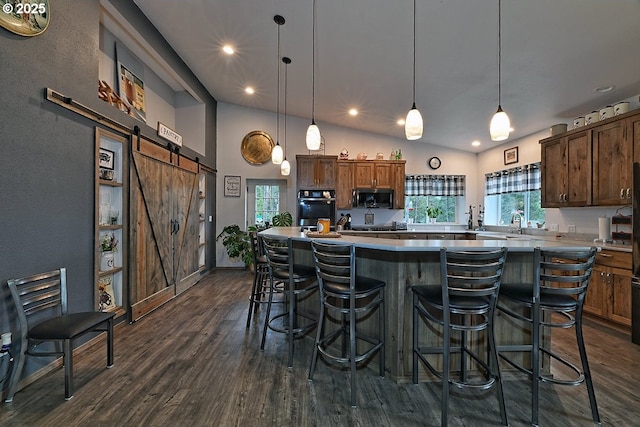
(434, 185)
(521, 178)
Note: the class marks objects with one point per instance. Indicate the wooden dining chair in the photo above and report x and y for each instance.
(41, 306)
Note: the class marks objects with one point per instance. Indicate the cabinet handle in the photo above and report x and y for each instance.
(606, 255)
(622, 193)
(628, 193)
(560, 197)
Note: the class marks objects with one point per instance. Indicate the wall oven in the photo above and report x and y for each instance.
(314, 204)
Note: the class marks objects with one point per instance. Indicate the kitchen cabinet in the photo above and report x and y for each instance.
(111, 184)
(374, 174)
(344, 185)
(398, 185)
(609, 293)
(612, 165)
(316, 172)
(566, 170)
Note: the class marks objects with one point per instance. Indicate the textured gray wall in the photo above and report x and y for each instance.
(47, 152)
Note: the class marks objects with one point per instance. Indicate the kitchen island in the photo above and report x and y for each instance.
(402, 263)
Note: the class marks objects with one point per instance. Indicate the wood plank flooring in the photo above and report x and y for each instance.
(193, 363)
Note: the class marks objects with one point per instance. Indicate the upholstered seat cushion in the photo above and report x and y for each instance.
(300, 272)
(363, 285)
(523, 295)
(433, 294)
(68, 326)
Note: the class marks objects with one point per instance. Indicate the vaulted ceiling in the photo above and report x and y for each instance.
(554, 55)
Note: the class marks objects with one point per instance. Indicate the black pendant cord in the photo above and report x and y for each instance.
(286, 61)
(414, 54)
(313, 69)
(278, 95)
(499, 54)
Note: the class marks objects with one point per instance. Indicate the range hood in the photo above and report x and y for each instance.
(372, 198)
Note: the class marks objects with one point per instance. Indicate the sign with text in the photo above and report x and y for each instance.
(169, 134)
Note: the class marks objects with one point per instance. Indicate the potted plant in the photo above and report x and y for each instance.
(108, 245)
(282, 219)
(433, 212)
(237, 244)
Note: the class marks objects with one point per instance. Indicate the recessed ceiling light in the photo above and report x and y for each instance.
(250, 90)
(605, 88)
(228, 49)
(475, 143)
(353, 112)
(400, 122)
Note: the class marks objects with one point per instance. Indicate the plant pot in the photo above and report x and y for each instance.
(432, 220)
(107, 261)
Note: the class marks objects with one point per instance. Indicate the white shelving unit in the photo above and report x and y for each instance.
(202, 235)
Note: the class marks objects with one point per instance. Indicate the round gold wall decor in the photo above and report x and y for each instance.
(25, 18)
(256, 147)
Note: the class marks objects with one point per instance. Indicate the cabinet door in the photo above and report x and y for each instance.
(363, 174)
(553, 172)
(344, 185)
(620, 299)
(305, 172)
(612, 165)
(186, 220)
(398, 186)
(595, 300)
(633, 135)
(383, 175)
(578, 173)
(325, 172)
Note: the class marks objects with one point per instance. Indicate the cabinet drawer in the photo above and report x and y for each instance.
(614, 259)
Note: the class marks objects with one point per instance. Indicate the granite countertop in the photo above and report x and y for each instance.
(526, 244)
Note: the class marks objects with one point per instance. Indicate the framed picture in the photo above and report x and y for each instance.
(107, 159)
(511, 155)
(232, 186)
(131, 91)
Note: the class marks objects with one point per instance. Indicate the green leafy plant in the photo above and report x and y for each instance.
(282, 219)
(109, 243)
(433, 211)
(236, 243)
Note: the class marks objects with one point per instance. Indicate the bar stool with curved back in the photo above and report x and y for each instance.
(353, 297)
(560, 283)
(465, 302)
(298, 281)
(260, 286)
(41, 305)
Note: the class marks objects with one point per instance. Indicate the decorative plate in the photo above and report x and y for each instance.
(25, 18)
(256, 147)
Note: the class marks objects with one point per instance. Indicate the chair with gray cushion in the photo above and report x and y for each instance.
(41, 306)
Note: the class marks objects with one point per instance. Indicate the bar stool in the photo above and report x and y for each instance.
(260, 286)
(294, 281)
(560, 282)
(352, 297)
(465, 302)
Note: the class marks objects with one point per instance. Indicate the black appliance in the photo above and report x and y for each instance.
(635, 281)
(373, 198)
(315, 204)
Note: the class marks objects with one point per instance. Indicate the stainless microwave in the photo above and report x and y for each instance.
(372, 198)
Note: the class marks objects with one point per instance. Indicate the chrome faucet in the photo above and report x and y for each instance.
(516, 223)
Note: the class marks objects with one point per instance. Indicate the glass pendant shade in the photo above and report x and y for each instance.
(313, 137)
(413, 124)
(277, 154)
(285, 167)
(500, 126)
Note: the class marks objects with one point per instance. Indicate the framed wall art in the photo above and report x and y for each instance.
(511, 155)
(232, 186)
(106, 159)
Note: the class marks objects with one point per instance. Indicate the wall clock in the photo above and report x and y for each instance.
(434, 163)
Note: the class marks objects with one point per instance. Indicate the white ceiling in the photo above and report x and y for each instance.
(554, 54)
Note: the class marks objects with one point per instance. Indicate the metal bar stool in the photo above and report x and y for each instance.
(560, 283)
(465, 302)
(353, 297)
(295, 281)
(260, 286)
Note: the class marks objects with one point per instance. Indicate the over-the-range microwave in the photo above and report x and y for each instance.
(372, 198)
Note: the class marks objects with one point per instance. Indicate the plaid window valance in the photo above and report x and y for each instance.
(434, 185)
(522, 178)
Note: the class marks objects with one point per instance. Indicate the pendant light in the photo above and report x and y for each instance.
(276, 153)
(500, 125)
(285, 167)
(413, 122)
(313, 133)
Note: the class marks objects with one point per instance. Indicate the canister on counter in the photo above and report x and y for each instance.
(324, 225)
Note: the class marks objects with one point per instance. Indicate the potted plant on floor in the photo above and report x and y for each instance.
(237, 244)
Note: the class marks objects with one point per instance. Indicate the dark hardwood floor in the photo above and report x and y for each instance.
(193, 363)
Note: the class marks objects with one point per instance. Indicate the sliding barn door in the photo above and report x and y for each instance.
(164, 228)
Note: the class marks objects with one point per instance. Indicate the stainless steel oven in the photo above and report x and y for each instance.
(314, 204)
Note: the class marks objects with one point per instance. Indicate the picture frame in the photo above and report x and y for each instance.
(232, 184)
(131, 91)
(511, 155)
(106, 159)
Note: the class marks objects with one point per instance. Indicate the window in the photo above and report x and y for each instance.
(513, 190)
(435, 191)
(264, 200)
